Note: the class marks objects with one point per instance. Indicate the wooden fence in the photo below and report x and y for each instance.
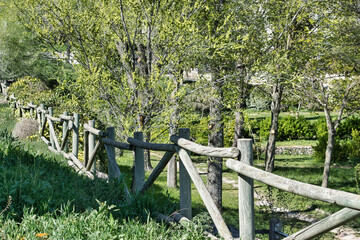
(239, 159)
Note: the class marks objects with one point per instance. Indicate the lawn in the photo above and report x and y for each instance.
(49, 197)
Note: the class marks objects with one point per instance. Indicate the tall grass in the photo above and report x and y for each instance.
(50, 200)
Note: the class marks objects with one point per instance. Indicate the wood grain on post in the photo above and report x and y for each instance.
(51, 131)
(156, 172)
(113, 168)
(324, 225)
(65, 133)
(139, 171)
(206, 151)
(171, 179)
(53, 139)
(92, 157)
(246, 193)
(31, 109)
(91, 127)
(75, 140)
(185, 181)
(86, 147)
(340, 198)
(42, 109)
(205, 195)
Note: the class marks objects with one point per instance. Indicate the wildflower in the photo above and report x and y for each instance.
(42, 235)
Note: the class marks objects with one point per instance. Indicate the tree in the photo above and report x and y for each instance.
(331, 79)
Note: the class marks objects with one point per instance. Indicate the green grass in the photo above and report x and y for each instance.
(50, 197)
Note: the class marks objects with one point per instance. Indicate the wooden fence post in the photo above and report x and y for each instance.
(75, 140)
(65, 127)
(139, 171)
(172, 173)
(31, 111)
(92, 144)
(246, 193)
(42, 108)
(275, 225)
(185, 181)
(20, 109)
(51, 113)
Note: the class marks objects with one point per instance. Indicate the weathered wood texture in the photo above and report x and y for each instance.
(205, 195)
(45, 141)
(65, 117)
(113, 168)
(139, 171)
(246, 193)
(156, 172)
(206, 151)
(92, 156)
(117, 144)
(275, 226)
(341, 198)
(75, 140)
(339, 218)
(91, 140)
(91, 128)
(185, 181)
(53, 138)
(86, 147)
(152, 146)
(65, 132)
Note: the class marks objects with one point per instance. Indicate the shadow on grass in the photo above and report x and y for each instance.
(43, 181)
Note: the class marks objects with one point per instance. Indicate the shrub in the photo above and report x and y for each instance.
(343, 149)
(295, 128)
(30, 90)
(344, 130)
(339, 152)
(289, 128)
(25, 128)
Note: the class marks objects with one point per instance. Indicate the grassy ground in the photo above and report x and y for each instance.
(50, 198)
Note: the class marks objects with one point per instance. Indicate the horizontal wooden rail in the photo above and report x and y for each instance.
(324, 225)
(32, 105)
(24, 108)
(94, 131)
(341, 198)
(207, 151)
(66, 118)
(54, 119)
(117, 144)
(152, 146)
(42, 110)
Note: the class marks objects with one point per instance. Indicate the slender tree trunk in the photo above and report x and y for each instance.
(239, 130)
(147, 159)
(216, 139)
(173, 128)
(329, 148)
(275, 111)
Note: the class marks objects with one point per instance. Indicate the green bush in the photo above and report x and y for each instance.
(344, 150)
(289, 128)
(344, 130)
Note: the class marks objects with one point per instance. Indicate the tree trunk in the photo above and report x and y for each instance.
(239, 125)
(173, 128)
(275, 111)
(329, 148)
(216, 139)
(147, 160)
